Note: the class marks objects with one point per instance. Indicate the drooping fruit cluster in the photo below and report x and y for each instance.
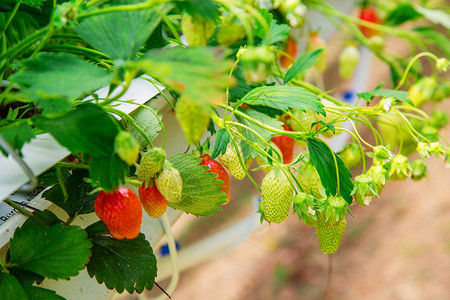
(121, 212)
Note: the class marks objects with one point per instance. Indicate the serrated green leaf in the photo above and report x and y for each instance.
(206, 9)
(258, 29)
(400, 95)
(120, 34)
(147, 121)
(202, 191)
(10, 288)
(402, 13)
(284, 97)
(247, 150)
(436, 16)
(80, 201)
(52, 76)
(222, 139)
(200, 73)
(121, 264)
(38, 293)
(87, 129)
(57, 251)
(42, 218)
(53, 105)
(25, 277)
(301, 64)
(323, 161)
(277, 32)
(17, 134)
(108, 172)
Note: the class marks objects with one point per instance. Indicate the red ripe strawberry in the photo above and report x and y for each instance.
(121, 211)
(286, 145)
(155, 205)
(216, 167)
(369, 14)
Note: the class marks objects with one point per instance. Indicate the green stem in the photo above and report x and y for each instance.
(227, 91)
(357, 134)
(171, 28)
(13, 13)
(361, 149)
(24, 43)
(61, 182)
(74, 166)
(77, 48)
(130, 119)
(132, 7)
(410, 127)
(155, 84)
(410, 64)
(18, 207)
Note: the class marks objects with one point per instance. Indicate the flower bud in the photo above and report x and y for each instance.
(364, 189)
(419, 169)
(400, 168)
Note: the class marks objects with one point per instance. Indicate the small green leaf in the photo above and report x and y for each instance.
(17, 134)
(42, 218)
(80, 200)
(57, 252)
(108, 172)
(247, 150)
(38, 293)
(402, 13)
(301, 64)
(284, 97)
(221, 141)
(277, 32)
(10, 288)
(258, 29)
(202, 191)
(400, 95)
(323, 161)
(121, 264)
(147, 121)
(200, 73)
(120, 34)
(52, 76)
(53, 105)
(87, 129)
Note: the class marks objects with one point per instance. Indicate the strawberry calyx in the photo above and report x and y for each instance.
(364, 189)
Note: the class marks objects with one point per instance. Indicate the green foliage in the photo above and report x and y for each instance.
(108, 172)
(120, 34)
(16, 134)
(38, 293)
(284, 97)
(121, 264)
(399, 95)
(301, 64)
(401, 14)
(10, 288)
(147, 121)
(206, 9)
(277, 32)
(202, 191)
(323, 160)
(221, 141)
(80, 199)
(58, 252)
(52, 76)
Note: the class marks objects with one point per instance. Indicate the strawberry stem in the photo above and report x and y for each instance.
(18, 207)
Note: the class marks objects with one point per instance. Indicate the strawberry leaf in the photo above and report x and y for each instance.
(202, 191)
(87, 129)
(108, 172)
(38, 293)
(52, 76)
(10, 287)
(120, 34)
(204, 8)
(147, 121)
(57, 251)
(323, 161)
(400, 95)
(284, 97)
(80, 201)
(301, 64)
(121, 264)
(221, 141)
(16, 134)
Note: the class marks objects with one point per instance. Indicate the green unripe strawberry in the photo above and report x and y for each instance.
(379, 175)
(303, 204)
(400, 168)
(151, 164)
(196, 29)
(126, 147)
(422, 91)
(276, 196)
(193, 117)
(230, 160)
(350, 155)
(230, 32)
(419, 169)
(376, 43)
(329, 232)
(309, 180)
(348, 59)
(257, 63)
(169, 183)
(364, 189)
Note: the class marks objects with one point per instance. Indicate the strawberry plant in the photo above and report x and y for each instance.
(243, 80)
